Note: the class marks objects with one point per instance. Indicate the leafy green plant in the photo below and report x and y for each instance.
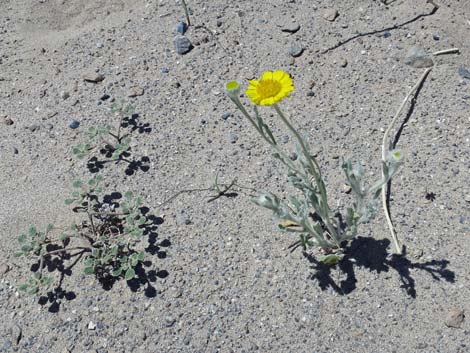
(308, 212)
(108, 239)
(113, 142)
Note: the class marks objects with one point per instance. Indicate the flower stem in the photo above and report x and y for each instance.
(315, 170)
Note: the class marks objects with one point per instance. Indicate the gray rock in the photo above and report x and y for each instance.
(7, 121)
(418, 58)
(15, 150)
(343, 63)
(296, 49)
(64, 95)
(226, 115)
(181, 28)
(135, 91)
(16, 333)
(74, 124)
(93, 77)
(232, 137)
(464, 72)
(182, 44)
(99, 45)
(330, 14)
(169, 321)
(34, 127)
(91, 325)
(454, 318)
(4, 268)
(290, 27)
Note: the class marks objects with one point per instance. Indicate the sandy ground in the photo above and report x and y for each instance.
(223, 279)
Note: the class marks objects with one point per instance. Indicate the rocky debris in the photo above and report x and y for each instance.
(454, 318)
(296, 49)
(343, 63)
(418, 58)
(169, 321)
(330, 14)
(4, 268)
(136, 91)
(181, 27)
(16, 334)
(7, 121)
(91, 326)
(74, 124)
(464, 72)
(289, 27)
(64, 95)
(93, 77)
(34, 127)
(182, 44)
(232, 137)
(226, 115)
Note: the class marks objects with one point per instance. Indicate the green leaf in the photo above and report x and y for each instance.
(75, 194)
(130, 273)
(116, 272)
(141, 256)
(32, 231)
(23, 287)
(89, 270)
(77, 184)
(22, 238)
(128, 195)
(330, 259)
(49, 227)
(18, 254)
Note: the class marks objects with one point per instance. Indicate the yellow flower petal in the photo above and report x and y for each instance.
(271, 88)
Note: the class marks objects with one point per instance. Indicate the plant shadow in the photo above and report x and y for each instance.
(372, 254)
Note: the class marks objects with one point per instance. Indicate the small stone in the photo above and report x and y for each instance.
(4, 268)
(293, 156)
(330, 14)
(74, 124)
(232, 137)
(347, 189)
(435, 36)
(34, 127)
(169, 321)
(15, 150)
(64, 95)
(181, 28)
(91, 325)
(226, 115)
(105, 97)
(93, 77)
(99, 45)
(7, 121)
(136, 91)
(418, 58)
(343, 63)
(285, 138)
(454, 318)
(296, 49)
(310, 94)
(16, 333)
(182, 44)
(387, 34)
(219, 23)
(463, 72)
(290, 27)
(164, 70)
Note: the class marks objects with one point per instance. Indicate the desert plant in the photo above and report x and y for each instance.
(108, 239)
(309, 214)
(113, 142)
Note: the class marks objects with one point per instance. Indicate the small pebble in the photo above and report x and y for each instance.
(418, 58)
(435, 36)
(454, 318)
(387, 34)
(164, 70)
(91, 325)
(34, 127)
(93, 77)
(296, 49)
(343, 63)
(99, 45)
(169, 321)
(16, 333)
(4, 268)
(105, 97)
(291, 27)
(232, 137)
(330, 14)
(64, 95)
(181, 28)
(310, 94)
(464, 72)
(182, 44)
(7, 121)
(74, 124)
(226, 115)
(135, 92)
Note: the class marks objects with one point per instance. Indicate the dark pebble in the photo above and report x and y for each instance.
(181, 28)
(435, 36)
(387, 34)
(182, 45)
(463, 72)
(164, 70)
(226, 115)
(105, 97)
(232, 137)
(74, 124)
(310, 93)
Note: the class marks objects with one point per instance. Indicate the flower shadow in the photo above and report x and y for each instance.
(372, 254)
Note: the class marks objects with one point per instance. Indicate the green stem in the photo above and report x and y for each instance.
(315, 170)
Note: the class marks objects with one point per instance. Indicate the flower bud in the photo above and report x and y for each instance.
(232, 88)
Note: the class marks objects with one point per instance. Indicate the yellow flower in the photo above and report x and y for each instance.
(272, 87)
